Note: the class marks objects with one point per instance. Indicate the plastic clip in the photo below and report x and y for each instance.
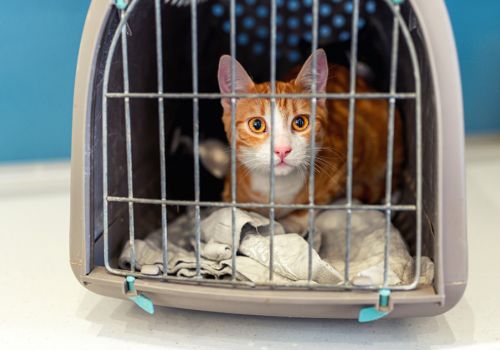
(384, 307)
(121, 4)
(140, 299)
(397, 2)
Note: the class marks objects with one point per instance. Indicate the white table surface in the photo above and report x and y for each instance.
(44, 307)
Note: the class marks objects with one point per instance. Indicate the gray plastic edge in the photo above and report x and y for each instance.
(437, 31)
(80, 154)
(266, 302)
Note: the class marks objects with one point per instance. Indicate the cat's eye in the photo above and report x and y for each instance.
(300, 122)
(257, 125)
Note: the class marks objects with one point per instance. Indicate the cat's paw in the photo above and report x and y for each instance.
(295, 223)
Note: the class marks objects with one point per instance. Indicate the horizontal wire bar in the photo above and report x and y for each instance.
(337, 96)
(253, 285)
(361, 207)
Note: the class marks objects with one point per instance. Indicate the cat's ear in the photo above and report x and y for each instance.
(242, 81)
(305, 77)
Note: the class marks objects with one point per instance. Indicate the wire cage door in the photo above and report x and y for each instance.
(399, 31)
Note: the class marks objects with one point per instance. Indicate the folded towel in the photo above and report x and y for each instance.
(290, 253)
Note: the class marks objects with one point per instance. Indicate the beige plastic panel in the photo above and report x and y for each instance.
(289, 303)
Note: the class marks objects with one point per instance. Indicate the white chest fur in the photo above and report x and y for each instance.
(286, 187)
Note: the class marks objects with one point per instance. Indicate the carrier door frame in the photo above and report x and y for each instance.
(81, 239)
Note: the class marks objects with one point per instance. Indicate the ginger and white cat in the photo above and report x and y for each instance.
(292, 149)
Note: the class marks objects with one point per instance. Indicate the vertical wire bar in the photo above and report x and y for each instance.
(232, 44)
(161, 125)
(350, 135)
(418, 112)
(196, 129)
(105, 202)
(105, 210)
(418, 144)
(128, 140)
(314, 101)
(390, 142)
(272, 178)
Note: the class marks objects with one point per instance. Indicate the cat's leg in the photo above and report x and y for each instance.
(370, 192)
(296, 222)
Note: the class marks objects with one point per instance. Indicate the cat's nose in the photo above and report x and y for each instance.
(282, 151)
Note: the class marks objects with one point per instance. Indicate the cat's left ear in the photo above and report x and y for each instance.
(305, 77)
(242, 81)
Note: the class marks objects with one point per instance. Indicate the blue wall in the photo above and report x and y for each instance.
(39, 42)
(476, 25)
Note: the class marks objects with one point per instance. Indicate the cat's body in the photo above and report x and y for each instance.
(292, 150)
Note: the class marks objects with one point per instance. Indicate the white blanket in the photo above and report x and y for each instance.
(290, 253)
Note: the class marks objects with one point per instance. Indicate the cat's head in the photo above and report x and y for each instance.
(292, 117)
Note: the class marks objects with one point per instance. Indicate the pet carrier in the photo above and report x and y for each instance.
(146, 121)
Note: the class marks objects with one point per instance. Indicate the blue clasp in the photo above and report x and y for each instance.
(139, 299)
(383, 308)
(121, 4)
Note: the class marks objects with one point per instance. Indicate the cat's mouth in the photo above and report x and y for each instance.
(283, 168)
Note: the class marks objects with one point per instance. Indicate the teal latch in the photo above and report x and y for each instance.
(121, 4)
(140, 299)
(383, 308)
(397, 2)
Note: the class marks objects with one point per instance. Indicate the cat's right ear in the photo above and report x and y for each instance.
(306, 75)
(242, 81)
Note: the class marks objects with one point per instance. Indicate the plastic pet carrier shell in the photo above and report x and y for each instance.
(146, 97)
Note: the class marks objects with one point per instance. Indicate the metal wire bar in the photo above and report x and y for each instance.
(161, 126)
(128, 142)
(350, 135)
(253, 285)
(105, 84)
(272, 178)
(418, 144)
(196, 131)
(314, 101)
(216, 96)
(105, 203)
(367, 207)
(390, 143)
(232, 43)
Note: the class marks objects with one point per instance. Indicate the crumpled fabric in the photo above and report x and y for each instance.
(290, 253)
(252, 243)
(367, 245)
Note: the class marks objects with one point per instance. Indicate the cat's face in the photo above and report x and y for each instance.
(292, 118)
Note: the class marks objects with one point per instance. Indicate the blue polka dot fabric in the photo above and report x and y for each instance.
(294, 23)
